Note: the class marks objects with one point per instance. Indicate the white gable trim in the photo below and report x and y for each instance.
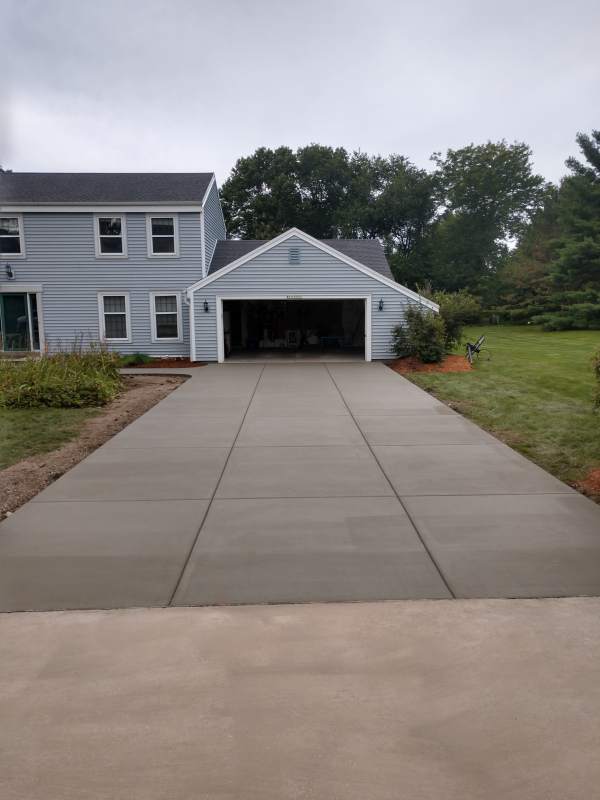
(201, 284)
(207, 192)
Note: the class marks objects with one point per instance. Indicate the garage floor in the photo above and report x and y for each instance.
(291, 483)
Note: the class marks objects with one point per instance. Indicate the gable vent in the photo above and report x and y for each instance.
(294, 255)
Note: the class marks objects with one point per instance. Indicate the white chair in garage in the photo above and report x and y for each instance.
(292, 338)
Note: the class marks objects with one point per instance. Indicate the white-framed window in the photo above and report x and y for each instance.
(163, 235)
(110, 235)
(165, 313)
(115, 316)
(12, 241)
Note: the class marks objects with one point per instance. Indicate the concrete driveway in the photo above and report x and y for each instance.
(290, 483)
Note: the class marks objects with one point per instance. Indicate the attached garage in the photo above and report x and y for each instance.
(297, 293)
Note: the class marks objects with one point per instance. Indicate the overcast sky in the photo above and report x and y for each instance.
(191, 85)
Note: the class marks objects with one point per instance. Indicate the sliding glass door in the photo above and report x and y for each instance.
(19, 321)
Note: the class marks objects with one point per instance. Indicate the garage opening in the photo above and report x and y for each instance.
(291, 329)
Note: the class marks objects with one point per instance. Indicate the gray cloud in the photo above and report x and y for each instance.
(184, 85)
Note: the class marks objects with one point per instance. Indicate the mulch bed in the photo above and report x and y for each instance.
(163, 363)
(449, 364)
(591, 484)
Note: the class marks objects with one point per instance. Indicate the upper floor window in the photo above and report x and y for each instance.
(163, 236)
(11, 236)
(111, 240)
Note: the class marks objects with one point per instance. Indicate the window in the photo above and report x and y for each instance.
(165, 310)
(163, 236)
(11, 236)
(114, 316)
(110, 235)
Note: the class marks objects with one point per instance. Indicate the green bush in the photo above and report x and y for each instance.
(595, 361)
(134, 359)
(423, 335)
(73, 379)
(457, 309)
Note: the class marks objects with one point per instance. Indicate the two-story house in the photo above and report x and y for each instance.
(142, 261)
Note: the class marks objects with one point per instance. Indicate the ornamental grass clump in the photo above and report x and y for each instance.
(66, 378)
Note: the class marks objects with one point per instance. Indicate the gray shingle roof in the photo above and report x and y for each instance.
(103, 187)
(366, 251)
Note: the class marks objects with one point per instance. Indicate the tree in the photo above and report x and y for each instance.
(487, 195)
(578, 264)
(329, 194)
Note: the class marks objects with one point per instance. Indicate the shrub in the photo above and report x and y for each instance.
(423, 335)
(595, 361)
(134, 359)
(457, 309)
(62, 379)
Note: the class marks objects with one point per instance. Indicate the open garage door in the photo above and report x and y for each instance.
(318, 329)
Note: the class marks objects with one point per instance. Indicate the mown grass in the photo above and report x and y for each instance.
(537, 392)
(28, 432)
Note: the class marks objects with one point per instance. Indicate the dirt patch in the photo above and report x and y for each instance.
(24, 480)
(163, 363)
(590, 485)
(449, 364)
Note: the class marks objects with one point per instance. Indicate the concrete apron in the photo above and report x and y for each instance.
(292, 483)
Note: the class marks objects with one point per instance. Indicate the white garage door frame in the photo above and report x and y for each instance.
(220, 298)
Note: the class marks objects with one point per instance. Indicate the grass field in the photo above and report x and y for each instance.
(27, 432)
(536, 394)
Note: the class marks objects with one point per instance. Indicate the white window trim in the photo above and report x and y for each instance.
(149, 218)
(123, 219)
(154, 335)
(19, 217)
(101, 296)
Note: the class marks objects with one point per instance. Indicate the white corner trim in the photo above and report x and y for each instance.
(149, 218)
(192, 330)
(153, 330)
(120, 215)
(15, 256)
(21, 288)
(120, 293)
(321, 246)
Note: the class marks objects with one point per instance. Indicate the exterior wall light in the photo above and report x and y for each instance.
(206, 306)
(9, 272)
(381, 304)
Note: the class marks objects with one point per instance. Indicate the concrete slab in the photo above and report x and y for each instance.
(441, 430)
(297, 405)
(464, 470)
(156, 431)
(299, 432)
(178, 473)
(308, 550)
(255, 472)
(203, 406)
(512, 546)
(95, 555)
(460, 700)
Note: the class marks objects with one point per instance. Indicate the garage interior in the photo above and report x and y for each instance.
(289, 329)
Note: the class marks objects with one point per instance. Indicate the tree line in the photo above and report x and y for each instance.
(480, 222)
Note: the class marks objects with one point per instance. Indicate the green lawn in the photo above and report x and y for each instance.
(27, 432)
(537, 389)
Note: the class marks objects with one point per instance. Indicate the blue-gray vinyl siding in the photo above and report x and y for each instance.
(214, 224)
(61, 256)
(318, 273)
